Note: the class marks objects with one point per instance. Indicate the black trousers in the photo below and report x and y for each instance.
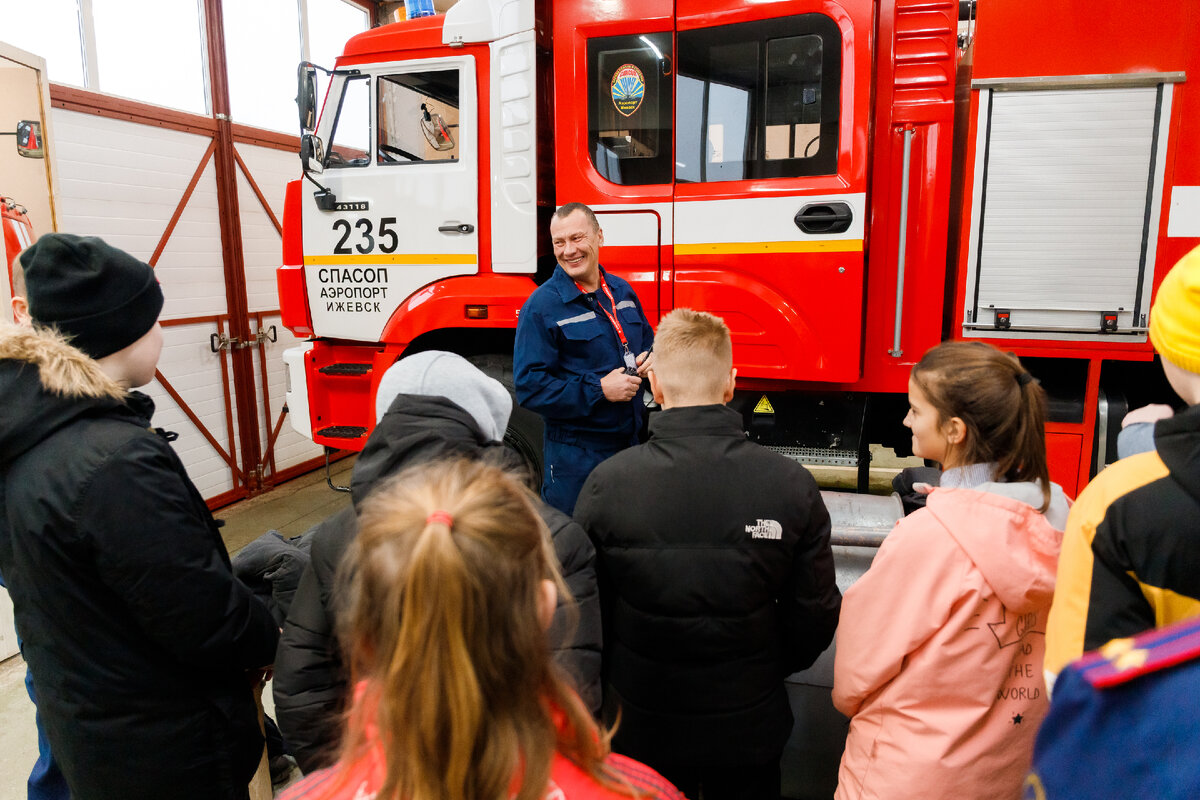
(749, 782)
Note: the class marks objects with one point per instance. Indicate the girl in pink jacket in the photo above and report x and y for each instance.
(940, 644)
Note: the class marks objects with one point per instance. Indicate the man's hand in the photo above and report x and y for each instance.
(645, 362)
(619, 387)
(260, 676)
(1151, 413)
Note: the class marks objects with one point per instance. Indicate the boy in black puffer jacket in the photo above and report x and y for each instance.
(142, 644)
(716, 578)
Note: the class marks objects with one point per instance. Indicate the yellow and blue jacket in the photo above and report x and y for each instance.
(1131, 553)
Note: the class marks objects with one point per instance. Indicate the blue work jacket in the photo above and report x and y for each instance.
(565, 345)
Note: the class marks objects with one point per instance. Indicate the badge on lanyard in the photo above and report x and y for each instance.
(630, 361)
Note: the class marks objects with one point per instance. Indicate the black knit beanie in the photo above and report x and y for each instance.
(101, 298)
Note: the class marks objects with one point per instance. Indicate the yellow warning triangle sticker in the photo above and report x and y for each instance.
(764, 406)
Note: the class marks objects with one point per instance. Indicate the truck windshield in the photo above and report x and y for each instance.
(351, 137)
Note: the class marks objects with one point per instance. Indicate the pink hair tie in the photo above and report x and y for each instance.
(443, 517)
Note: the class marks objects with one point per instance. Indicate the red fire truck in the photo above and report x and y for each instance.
(845, 182)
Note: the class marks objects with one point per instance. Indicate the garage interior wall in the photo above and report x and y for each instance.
(200, 198)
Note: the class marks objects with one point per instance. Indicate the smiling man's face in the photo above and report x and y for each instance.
(577, 248)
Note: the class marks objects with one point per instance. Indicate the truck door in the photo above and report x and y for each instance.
(771, 132)
(613, 141)
(400, 136)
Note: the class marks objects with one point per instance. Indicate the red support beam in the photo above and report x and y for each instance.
(183, 406)
(71, 98)
(231, 248)
(183, 201)
(257, 192)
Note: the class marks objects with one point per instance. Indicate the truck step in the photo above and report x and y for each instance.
(343, 432)
(819, 456)
(350, 369)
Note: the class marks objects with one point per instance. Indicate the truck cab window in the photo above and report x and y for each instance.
(351, 137)
(629, 108)
(418, 117)
(758, 100)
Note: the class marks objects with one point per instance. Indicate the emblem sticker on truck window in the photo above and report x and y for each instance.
(628, 89)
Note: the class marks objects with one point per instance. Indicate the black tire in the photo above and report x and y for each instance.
(524, 433)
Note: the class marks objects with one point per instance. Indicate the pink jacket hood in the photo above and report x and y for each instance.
(1008, 540)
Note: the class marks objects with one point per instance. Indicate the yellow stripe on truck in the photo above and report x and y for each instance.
(393, 258)
(753, 248)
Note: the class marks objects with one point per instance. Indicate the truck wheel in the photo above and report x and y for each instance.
(524, 433)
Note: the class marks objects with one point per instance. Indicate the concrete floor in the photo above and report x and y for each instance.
(290, 509)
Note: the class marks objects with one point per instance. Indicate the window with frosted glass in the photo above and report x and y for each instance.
(262, 48)
(262, 68)
(330, 24)
(46, 28)
(151, 51)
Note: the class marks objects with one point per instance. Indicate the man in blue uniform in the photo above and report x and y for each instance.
(582, 350)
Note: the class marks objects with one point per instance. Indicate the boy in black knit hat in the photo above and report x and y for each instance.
(142, 644)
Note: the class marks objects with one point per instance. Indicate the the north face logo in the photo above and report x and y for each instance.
(765, 529)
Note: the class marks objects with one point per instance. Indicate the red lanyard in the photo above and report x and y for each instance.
(613, 316)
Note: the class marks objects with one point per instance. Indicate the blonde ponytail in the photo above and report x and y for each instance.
(440, 616)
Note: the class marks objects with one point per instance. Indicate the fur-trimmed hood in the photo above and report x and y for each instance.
(46, 383)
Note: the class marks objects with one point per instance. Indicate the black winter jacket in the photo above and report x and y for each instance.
(137, 634)
(310, 683)
(271, 566)
(716, 581)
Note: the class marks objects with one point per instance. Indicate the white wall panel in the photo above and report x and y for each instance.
(195, 373)
(122, 181)
(191, 265)
(261, 243)
(113, 170)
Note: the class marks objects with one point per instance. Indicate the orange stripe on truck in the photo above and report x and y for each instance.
(394, 258)
(751, 248)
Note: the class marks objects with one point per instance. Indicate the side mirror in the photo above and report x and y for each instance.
(30, 143)
(312, 153)
(306, 96)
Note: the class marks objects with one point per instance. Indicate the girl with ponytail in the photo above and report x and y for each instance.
(446, 595)
(940, 643)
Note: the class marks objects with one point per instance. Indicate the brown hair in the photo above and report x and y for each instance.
(568, 209)
(692, 356)
(1001, 405)
(440, 619)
